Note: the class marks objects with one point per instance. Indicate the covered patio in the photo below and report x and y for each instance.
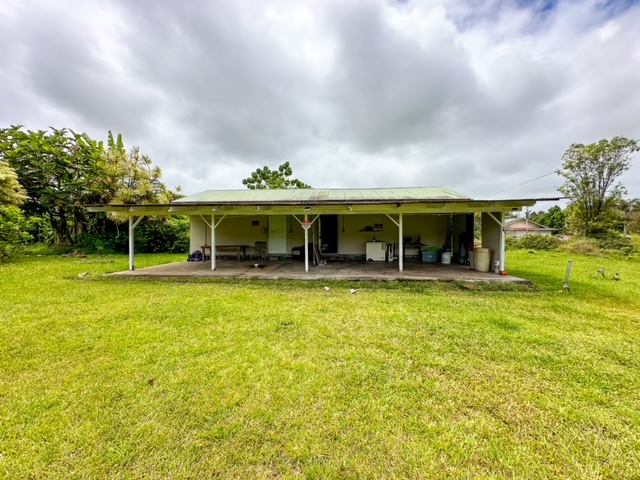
(374, 233)
(339, 270)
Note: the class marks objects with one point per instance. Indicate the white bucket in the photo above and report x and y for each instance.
(446, 258)
(482, 259)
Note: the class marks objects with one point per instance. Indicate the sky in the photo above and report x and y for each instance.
(481, 97)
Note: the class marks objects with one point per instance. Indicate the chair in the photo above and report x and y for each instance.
(259, 250)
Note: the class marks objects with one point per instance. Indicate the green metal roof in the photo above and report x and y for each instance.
(317, 196)
(344, 201)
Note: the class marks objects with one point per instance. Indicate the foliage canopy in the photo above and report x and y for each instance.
(61, 171)
(11, 192)
(13, 230)
(591, 174)
(265, 178)
(554, 218)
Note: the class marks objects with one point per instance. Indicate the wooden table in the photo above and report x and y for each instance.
(239, 250)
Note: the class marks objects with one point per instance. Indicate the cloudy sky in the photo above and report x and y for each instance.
(478, 96)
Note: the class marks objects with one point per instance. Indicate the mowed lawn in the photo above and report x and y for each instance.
(136, 378)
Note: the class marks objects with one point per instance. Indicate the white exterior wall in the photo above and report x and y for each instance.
(524, 233)
(240, 231)
(200, 234)
(521, 228)
(491, 233)
(432, 230)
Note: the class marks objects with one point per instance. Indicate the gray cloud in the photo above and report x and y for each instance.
(476, 96)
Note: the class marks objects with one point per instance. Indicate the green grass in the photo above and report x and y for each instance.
(136, 378)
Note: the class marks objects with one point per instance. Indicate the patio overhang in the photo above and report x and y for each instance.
(161, 210)
(217, 205)
(327, 208)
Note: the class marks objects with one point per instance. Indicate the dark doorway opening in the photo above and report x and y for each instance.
(329, 233)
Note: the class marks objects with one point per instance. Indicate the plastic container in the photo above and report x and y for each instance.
(482, 259)
(430, 255)
(446, 258)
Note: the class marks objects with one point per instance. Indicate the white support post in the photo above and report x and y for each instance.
(503, 247)
(306, 245)
(305, 224)
(400, 246)
(132, 228)
(400, 243)
(131, 244)
(214, 226)
(213, 241)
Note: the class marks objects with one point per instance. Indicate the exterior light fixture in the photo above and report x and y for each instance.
(307, 208)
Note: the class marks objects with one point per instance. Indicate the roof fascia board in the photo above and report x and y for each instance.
(130, 210)
(442, 209)
(150, 209)
(425, 207)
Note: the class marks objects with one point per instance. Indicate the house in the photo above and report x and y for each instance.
(367, 224)
(520, 227)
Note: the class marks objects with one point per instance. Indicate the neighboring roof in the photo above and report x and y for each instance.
(324, 196)
(527, 225)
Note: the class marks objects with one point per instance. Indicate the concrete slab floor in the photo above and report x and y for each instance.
(340, 270)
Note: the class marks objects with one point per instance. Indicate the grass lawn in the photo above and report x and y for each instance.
(139, 378)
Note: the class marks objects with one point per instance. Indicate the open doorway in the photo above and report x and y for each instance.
(329, 233)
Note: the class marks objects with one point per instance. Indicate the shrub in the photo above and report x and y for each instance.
(152, 235)
(582, 246)
(616, 243)
(163, 235)
(533, 242)
(611, 243)
(109, 242)
(13, 231)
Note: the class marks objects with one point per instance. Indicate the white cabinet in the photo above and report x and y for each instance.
(376, 251)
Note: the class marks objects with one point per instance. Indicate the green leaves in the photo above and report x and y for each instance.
(265, 178)
(62, 170)
(591, 172)
(13, 230)
(11, 192)
(554, 218)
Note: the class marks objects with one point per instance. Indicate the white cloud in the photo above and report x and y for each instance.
(477, 96)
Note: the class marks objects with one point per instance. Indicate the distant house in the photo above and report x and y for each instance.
(520, 227)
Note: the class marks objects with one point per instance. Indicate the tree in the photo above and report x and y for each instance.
(13, 225)
(11, 192)
(62, 171)
(553, 218)
(265, 178)
(58, 170)
(133, 177)
(591, 173)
